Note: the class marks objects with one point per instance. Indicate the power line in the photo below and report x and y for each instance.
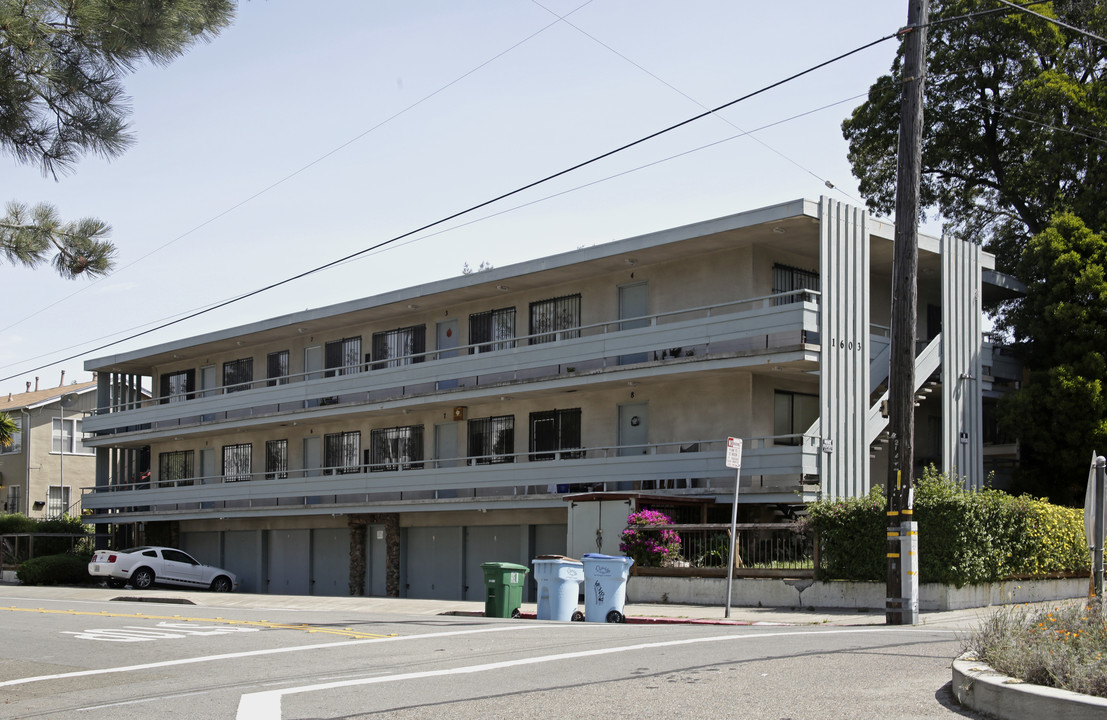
(675, 89)
(304, 168)
(1055, 21)
(511, 209)
(478, 206)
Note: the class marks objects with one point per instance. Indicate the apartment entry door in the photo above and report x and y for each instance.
(634, 431)
(446, 342)
(445, 451)
(634, 303)
(313, 365)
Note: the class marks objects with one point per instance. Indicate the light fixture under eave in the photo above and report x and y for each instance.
(412, 306)
(505, 398)
(631, 261)
(502, 288)
(779, 230)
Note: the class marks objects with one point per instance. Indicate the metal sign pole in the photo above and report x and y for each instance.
(1097, 557)
(733, 460)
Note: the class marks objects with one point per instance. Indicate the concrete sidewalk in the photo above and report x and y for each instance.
(635, 613)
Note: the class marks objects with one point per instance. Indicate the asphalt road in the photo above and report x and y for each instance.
(102, 659)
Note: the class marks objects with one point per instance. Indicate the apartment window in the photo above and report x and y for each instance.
(276, 459)
(342, 357)
(396, 347)
(553, 432)
(57, 501)
(793, 414)
(236, 462)
(15, 502)
(395, 448)
(178, 386)
(238, 374)
(788, 279)
(67, 437)
(341, 452)
(492, 330)
(276, 368)
(17, 437)
(558, 316)
(492, 439)
(176, 466)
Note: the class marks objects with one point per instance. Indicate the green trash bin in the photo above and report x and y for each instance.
(503, 588)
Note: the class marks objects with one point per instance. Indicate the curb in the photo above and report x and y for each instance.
(978, 687)
(633, 620)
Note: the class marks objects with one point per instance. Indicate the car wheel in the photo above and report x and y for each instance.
(142, 579)
(221, 584)
(116, 583)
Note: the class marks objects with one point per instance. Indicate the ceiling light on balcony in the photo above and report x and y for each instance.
(412, 306)
(505, 398)
(631, 261)
(779, 230)
(632, 383)
(302, 331)
(502, 288)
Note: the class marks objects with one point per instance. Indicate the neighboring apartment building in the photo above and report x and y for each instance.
(43, 471)
(390, 444)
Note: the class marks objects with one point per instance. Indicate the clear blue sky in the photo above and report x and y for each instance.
(290, 82)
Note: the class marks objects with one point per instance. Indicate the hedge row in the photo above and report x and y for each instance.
(965, 537)
(16, 523)
(64, 569)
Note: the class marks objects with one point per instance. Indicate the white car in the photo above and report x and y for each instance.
(142, 567)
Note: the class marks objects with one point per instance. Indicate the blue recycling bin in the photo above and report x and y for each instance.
(559, 580)
(605, 587)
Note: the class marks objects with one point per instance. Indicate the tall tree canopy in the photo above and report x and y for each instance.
(1015, 119)
(62, 97)
(1060, 414)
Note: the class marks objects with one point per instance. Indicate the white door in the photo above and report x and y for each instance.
(313, 369)
(446, 332)
(313, 456)
(208, 381)
(634, 303)
(445, 451)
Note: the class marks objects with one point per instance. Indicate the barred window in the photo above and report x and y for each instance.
(341, 452)
(787, 279)
(276, 368)
(396, 448)
(57, 501)
(276, 459)
(493, 330)
(558, 316)
(396, 347)
(15, 502)
(237, 462)
(553, 432)
(175, 466)
(178, 386)
(238, 374)
(492, 439)
(342, 357)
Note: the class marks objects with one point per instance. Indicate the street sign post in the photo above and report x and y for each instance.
(733, 460)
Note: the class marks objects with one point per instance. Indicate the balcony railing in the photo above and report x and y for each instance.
(749, 326)
(695, 466)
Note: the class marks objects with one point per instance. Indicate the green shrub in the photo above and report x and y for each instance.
(851, 536)
(16, 523)
(64, 569)
(965, 537)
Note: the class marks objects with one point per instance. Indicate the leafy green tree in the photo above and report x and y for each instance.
(1060, 414)
(8, 429)
(61, 97)
(1015, 122)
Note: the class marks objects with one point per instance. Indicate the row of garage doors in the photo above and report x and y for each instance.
(435, 562)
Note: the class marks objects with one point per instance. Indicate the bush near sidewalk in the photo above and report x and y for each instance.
(965, 537)
(63, 569)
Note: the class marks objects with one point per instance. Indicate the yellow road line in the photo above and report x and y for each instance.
(345, 632)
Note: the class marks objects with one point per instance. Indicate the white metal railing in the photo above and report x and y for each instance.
(463, 468)
(582, 331)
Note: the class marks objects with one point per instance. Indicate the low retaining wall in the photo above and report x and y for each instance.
(979, 687)
(766, 592)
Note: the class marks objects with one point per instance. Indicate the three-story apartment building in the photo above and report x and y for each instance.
(391, 444)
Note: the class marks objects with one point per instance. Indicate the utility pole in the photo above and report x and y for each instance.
(902, 606)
